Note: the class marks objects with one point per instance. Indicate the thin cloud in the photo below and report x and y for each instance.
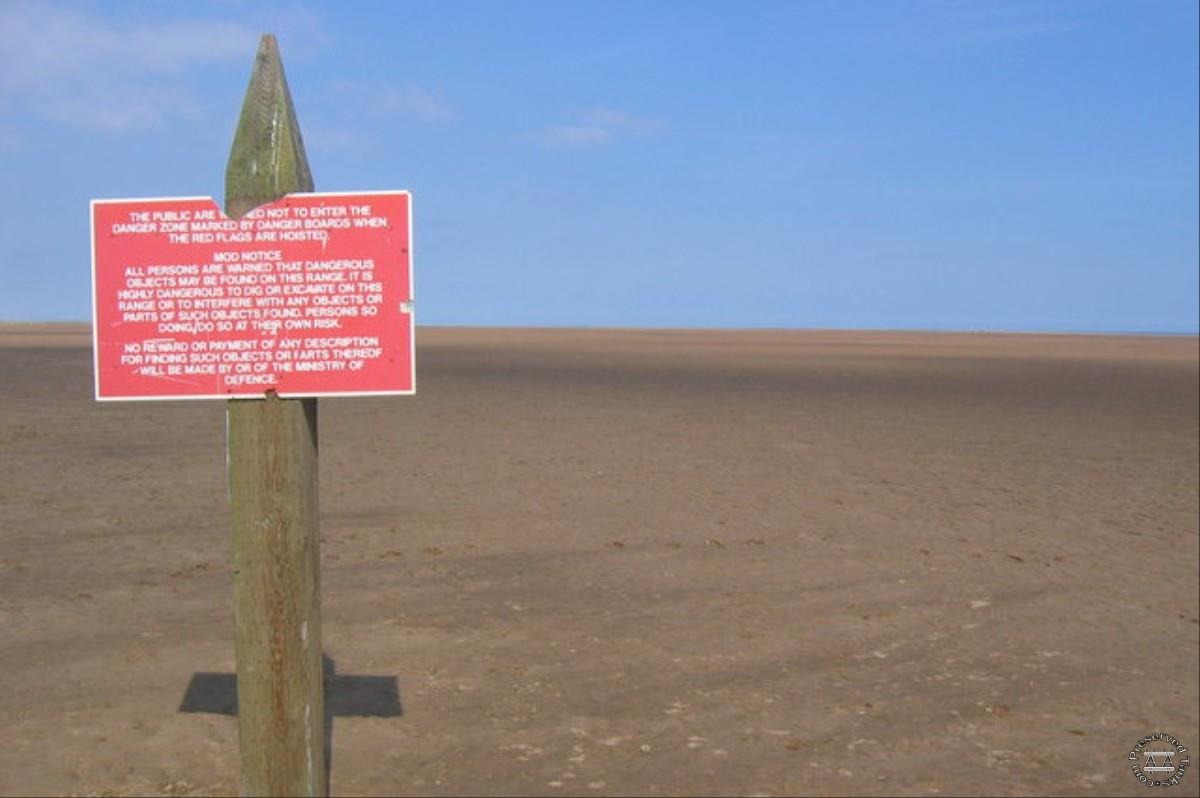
(577, 135)
(81, 68)
(341, 140)
(983, 23)
(416, 102)
(10, 140)
(408, 100)
(596, 126)
(119, 107)
(40, 43)
(621, 122)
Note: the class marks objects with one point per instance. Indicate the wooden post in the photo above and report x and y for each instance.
(272, 455)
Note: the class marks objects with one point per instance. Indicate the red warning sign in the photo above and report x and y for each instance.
(308, 296)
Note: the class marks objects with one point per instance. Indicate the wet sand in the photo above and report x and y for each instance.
(602, 562)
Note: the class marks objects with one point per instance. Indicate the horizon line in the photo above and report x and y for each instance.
(1195, 332)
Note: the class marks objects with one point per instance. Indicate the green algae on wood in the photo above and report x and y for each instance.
(267, 159)
(273, 469)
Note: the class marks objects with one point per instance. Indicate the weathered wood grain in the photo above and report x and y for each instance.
(272, 451)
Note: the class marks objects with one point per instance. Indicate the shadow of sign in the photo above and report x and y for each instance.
(346, 696)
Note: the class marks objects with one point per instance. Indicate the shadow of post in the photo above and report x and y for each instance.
(346, 695)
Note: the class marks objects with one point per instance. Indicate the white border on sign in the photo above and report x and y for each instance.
(412, 338)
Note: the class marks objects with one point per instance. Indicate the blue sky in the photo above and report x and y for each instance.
(933, 165)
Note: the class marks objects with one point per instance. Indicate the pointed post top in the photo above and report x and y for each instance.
(267, 159)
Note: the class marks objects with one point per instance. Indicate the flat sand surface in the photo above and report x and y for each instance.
(635, 562)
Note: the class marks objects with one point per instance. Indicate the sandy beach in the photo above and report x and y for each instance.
(635, 562)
